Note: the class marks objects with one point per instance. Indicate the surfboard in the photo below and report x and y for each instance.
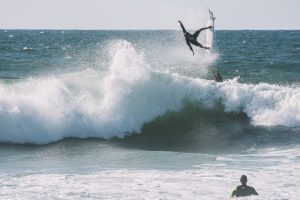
(210, 32)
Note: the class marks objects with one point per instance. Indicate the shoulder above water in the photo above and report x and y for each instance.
(242, 191)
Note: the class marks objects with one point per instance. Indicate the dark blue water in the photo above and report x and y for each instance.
(260, 56)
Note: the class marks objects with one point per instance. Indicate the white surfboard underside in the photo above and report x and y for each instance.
(210, 32)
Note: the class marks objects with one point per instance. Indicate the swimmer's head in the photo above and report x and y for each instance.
(244, 179)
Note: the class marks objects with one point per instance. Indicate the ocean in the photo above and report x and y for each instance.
(134, 115)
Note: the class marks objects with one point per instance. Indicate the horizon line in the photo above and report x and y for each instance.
(78, 29)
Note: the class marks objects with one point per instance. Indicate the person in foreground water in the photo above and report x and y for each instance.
(192, 38)
(243, 190)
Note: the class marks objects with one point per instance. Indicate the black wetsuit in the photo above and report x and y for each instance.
(243, 191)
(192, 38)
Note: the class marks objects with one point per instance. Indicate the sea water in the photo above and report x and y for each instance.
(134, 115)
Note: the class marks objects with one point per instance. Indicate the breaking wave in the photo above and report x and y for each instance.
(130, 94)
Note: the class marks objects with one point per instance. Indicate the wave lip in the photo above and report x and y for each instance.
(264, 104)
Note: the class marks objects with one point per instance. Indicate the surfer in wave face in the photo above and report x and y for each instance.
(192, 38)
(218, 77)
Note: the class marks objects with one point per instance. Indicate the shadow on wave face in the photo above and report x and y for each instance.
(207, 131)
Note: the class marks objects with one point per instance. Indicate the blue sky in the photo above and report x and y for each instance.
(148, 14)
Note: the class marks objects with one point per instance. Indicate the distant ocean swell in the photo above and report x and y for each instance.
(130, 94)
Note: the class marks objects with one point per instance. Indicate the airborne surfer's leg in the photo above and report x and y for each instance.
(196, 43)
(207, 27)
(196, 34)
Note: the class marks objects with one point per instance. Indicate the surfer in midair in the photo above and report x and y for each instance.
(192, 38)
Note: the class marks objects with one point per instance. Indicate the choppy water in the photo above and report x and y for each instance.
(144, 119)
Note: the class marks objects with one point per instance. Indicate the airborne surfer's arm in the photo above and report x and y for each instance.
(182, 27)
(190, 46)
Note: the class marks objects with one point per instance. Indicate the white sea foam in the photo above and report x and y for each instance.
(131, 93)
(27, 48)
(274, 176)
